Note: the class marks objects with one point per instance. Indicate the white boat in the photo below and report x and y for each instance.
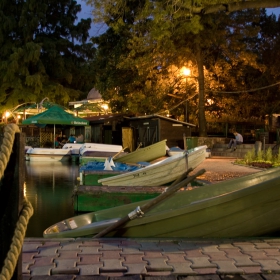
(99, 152)
(75, 150)
(161, 172)
(48, 154)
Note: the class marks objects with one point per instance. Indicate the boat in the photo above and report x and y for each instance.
(161, 172)
(98, 152)
(48, 154)
(145, 154)
(247, 206)
(75, 150)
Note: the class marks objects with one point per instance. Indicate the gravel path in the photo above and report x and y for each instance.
(220, 169)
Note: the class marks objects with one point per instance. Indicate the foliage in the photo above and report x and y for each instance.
(44, 53)
(261, 158)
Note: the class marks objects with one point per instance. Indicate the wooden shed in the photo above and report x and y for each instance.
(153, 128)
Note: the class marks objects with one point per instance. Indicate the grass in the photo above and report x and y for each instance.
(263, 159)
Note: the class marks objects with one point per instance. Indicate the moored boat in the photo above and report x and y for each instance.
(48, 154)
(247, 206)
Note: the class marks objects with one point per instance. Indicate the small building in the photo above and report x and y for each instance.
(153, 128)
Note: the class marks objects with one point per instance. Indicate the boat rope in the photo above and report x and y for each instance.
(26, 212)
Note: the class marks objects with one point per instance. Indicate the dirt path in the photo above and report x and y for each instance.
(218, 169)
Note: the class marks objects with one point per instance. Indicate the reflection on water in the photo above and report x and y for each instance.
(49, 187)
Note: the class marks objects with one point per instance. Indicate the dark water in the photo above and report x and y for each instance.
(49, 187)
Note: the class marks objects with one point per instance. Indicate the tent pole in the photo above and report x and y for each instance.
(54, 136)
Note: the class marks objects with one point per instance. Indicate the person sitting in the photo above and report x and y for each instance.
(80, 138)
(71, 139)
(63, 139)
(238, 140)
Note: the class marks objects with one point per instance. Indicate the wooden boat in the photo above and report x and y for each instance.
(161, 172)
(148, 153)
(98, 152)
(247, 206)
(157, 174)
(48, 154)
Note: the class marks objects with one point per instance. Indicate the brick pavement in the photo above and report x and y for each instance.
(112, 258)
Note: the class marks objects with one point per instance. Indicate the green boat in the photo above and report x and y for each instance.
(247, 206)
(148, 153)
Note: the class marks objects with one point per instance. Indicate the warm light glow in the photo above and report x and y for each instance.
(105, 106)
(7, 114)
(18, 116)
(186, 71)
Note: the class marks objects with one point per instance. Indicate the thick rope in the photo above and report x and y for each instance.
(27, 210)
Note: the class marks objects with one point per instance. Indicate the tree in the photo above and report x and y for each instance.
(43, 51)
(157, 23)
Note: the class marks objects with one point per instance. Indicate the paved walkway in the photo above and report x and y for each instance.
(190, 259)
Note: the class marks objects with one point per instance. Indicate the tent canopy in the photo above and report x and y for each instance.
(55, 115)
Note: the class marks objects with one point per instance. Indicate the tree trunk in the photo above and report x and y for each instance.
(201, 101)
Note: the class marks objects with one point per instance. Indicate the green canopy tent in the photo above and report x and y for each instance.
(56, 116)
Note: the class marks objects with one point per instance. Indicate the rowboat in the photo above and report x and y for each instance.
(48, 154)
(247, 206)
(148, 153)
(98, 152)
(161, 172)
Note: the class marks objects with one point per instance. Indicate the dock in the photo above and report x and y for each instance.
(149, 259)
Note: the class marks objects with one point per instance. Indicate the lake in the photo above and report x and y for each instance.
(49, 187)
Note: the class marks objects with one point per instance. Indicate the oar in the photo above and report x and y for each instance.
(179, 183)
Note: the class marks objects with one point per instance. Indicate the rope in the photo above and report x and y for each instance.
(27, 210)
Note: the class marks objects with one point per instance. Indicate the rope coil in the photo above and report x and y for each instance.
(26, 213)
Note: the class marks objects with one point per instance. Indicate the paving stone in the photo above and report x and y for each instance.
(68, 254)
(90, 243)
(48, 251)
(204, 277)
(201, 262)
(188, 246)
(194, 253)
(153, 254)
(269, 266)
(265, 245)
(247, 247)
(259, 256)
(89, 269)
(112, 265)
(56, 277)
(182, 268)
(271, 252)
(41, 270)
(205, 271)
(88, 259)
(28, 256)
(25, 268)
(176, 257)
(61, 270)
(44, 261)
(54, 244)
(227, 267)
(110, 247)
(112, 275)
(252, 269)
(216, 256)
(159, 275)
(135, 268)
(70, 246)
(157, 264)
(226, 246)
(210, 248)
(132, 251)
(232, 252)
(241, 277)
(94, 277)
(66, 263)
(172, 248)
(244, 261)
(89, 250)
(111, 254)
(30, 247)
(133, 259)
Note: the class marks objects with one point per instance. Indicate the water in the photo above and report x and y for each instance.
(49, 187)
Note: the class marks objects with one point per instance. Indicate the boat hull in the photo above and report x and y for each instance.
(47, 154)
(247, 206)
(157, 174)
